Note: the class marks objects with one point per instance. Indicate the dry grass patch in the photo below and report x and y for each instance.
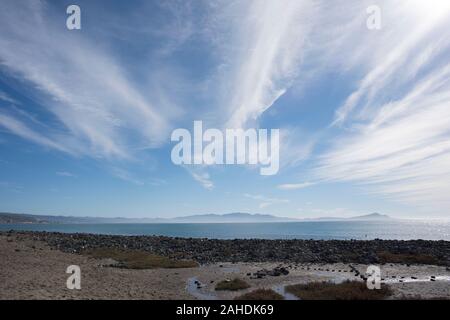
(348, 290)
(417, 258)
(232, 285)
(135, 259)
(260, 294)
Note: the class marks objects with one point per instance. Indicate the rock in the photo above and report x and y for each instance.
(209, 251)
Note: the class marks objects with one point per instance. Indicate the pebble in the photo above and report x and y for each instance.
(246, 250)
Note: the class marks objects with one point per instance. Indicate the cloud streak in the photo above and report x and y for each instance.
(402, 151)
(390, 132)
(65, 174)
(79, 84)
(295, 186)
(203, 178)
(261, 55)
(265, 201)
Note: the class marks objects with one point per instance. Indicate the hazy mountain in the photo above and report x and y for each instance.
(367, 217)
(236, 217)
(372, 216)
(231, 217)
(204, 218)
(31, 218)
(6, 217)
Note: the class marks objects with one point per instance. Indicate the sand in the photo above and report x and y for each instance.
(32, 270)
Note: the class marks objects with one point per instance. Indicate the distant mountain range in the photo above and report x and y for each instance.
(368, 217)
(204, 218)
(231, 217)
(372, 216)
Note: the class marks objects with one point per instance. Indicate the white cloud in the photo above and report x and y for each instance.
(17, 127)
(125, 175)
(65, 174)
(201, 176)
(296, 146)
(295, 186)
(394, 127)
(393, 132)
(413, 40)
(265, 201)
(5, 97)
(403, 150)
(260, 47)
(96, 102)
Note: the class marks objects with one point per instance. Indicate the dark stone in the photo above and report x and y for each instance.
(207, 251)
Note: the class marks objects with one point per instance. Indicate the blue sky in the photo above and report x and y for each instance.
(86, 115)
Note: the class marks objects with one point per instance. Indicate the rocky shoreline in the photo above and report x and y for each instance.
(207, 251)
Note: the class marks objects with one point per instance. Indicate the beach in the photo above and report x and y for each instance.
(32, 267)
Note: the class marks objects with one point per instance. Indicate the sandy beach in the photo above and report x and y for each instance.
(31, 269)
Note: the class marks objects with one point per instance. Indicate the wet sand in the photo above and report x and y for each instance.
(30, 269)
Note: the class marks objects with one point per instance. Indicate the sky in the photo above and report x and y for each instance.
(86, 115)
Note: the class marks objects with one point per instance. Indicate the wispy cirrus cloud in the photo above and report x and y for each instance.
(260, 54)
(65, 174)
(415, 38)
(398, 120)
(96, 102)
(5, 97)
(125, 175)
(20, 129)
(402, 151)
(265, 201)
(295, 186)
(104, 92)
(392, 132)
(203, 178)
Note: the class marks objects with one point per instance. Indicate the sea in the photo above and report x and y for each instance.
(324, 230)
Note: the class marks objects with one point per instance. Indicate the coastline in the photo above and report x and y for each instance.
(205, 250)
(34, 267)
(317, 230)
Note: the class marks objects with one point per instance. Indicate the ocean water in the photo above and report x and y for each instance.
(362, 230)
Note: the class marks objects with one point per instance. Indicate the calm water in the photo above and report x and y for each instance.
(403, 230)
